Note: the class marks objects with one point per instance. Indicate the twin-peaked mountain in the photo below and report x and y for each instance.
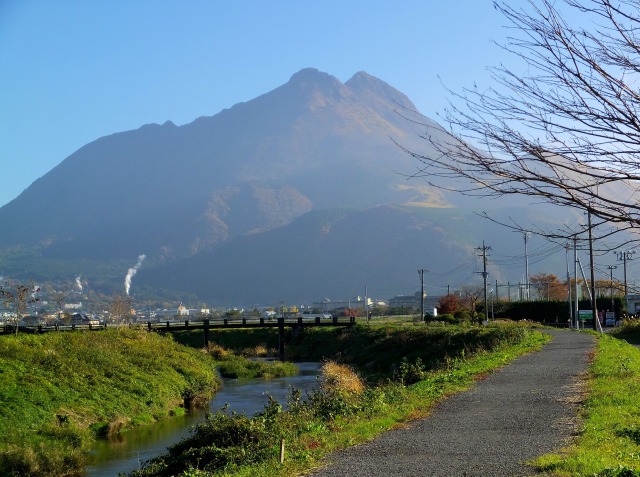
(294, 195)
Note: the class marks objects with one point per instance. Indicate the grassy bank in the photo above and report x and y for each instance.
(347, 411)
(378, 351)
(608, 444)
(58, 391)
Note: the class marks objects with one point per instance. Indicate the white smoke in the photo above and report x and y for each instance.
(79, 283)
(131, 273)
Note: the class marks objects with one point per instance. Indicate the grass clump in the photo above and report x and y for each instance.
(340, 378)
(239, 367)
(235, 365)
(343, 412)
(59, 391)
(608, 444)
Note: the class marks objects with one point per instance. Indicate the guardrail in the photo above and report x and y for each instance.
(6, 329)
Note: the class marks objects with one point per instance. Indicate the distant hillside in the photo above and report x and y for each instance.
(337, 252)
(300, 192)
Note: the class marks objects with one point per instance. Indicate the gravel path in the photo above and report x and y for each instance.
(518, 413)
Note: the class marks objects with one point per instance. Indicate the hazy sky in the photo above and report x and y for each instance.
(76, 70)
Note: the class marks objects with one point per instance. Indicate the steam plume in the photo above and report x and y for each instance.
(79, 284)
(131, 273)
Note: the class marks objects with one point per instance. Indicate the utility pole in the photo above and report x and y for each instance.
(366, 303)
(421, 275)
(484, 249)
(611, 269)
(624, 256)
(593, 277)
(566, 254)
(526, 265)
(575, 278)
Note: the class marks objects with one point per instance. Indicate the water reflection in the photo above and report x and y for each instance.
(134, 447)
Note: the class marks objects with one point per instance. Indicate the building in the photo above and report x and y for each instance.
(406, 301)
(413, 302)
(633, 304)
(82, 319)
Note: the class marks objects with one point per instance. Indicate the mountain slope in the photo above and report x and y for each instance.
(337, 252)
(298, 194)
(311, 143)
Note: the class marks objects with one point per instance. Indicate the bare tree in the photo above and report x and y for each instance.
(548, 287)
(59, 298)
(471, 296)
(566, 129)
(120, 309)
(17, 297)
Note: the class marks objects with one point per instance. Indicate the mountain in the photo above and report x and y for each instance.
(298, 193)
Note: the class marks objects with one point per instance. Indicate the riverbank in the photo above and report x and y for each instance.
(243, 396)
(409, 369)
(61, 390)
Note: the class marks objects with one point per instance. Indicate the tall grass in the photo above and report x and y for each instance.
(59, 391)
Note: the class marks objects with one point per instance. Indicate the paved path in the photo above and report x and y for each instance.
(518, 413)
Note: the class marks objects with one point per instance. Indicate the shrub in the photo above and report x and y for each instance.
(463, 316)
(217, 352)
(447, 318)
(409, 373)
(448, 304)
(219, 441)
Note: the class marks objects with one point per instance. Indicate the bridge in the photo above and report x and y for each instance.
(206, 325)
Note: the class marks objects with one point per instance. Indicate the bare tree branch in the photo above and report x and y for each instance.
(567, 129)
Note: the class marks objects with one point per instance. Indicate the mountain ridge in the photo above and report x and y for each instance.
(186, 195)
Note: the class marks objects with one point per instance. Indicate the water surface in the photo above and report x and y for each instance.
(132, 448)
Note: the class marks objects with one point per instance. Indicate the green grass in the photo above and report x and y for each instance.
(239, 367)
(378, 350)
(334, 419)
(608, 444)
(58, 391)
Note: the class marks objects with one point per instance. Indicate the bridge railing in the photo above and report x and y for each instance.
(9, 328)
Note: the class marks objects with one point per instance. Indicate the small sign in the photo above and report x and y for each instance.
(584, 315)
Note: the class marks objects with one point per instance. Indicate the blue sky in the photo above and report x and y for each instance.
(76, 70)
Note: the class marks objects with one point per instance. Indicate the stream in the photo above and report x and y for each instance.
(134, 447)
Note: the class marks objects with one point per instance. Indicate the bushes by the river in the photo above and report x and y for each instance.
(58, 391)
